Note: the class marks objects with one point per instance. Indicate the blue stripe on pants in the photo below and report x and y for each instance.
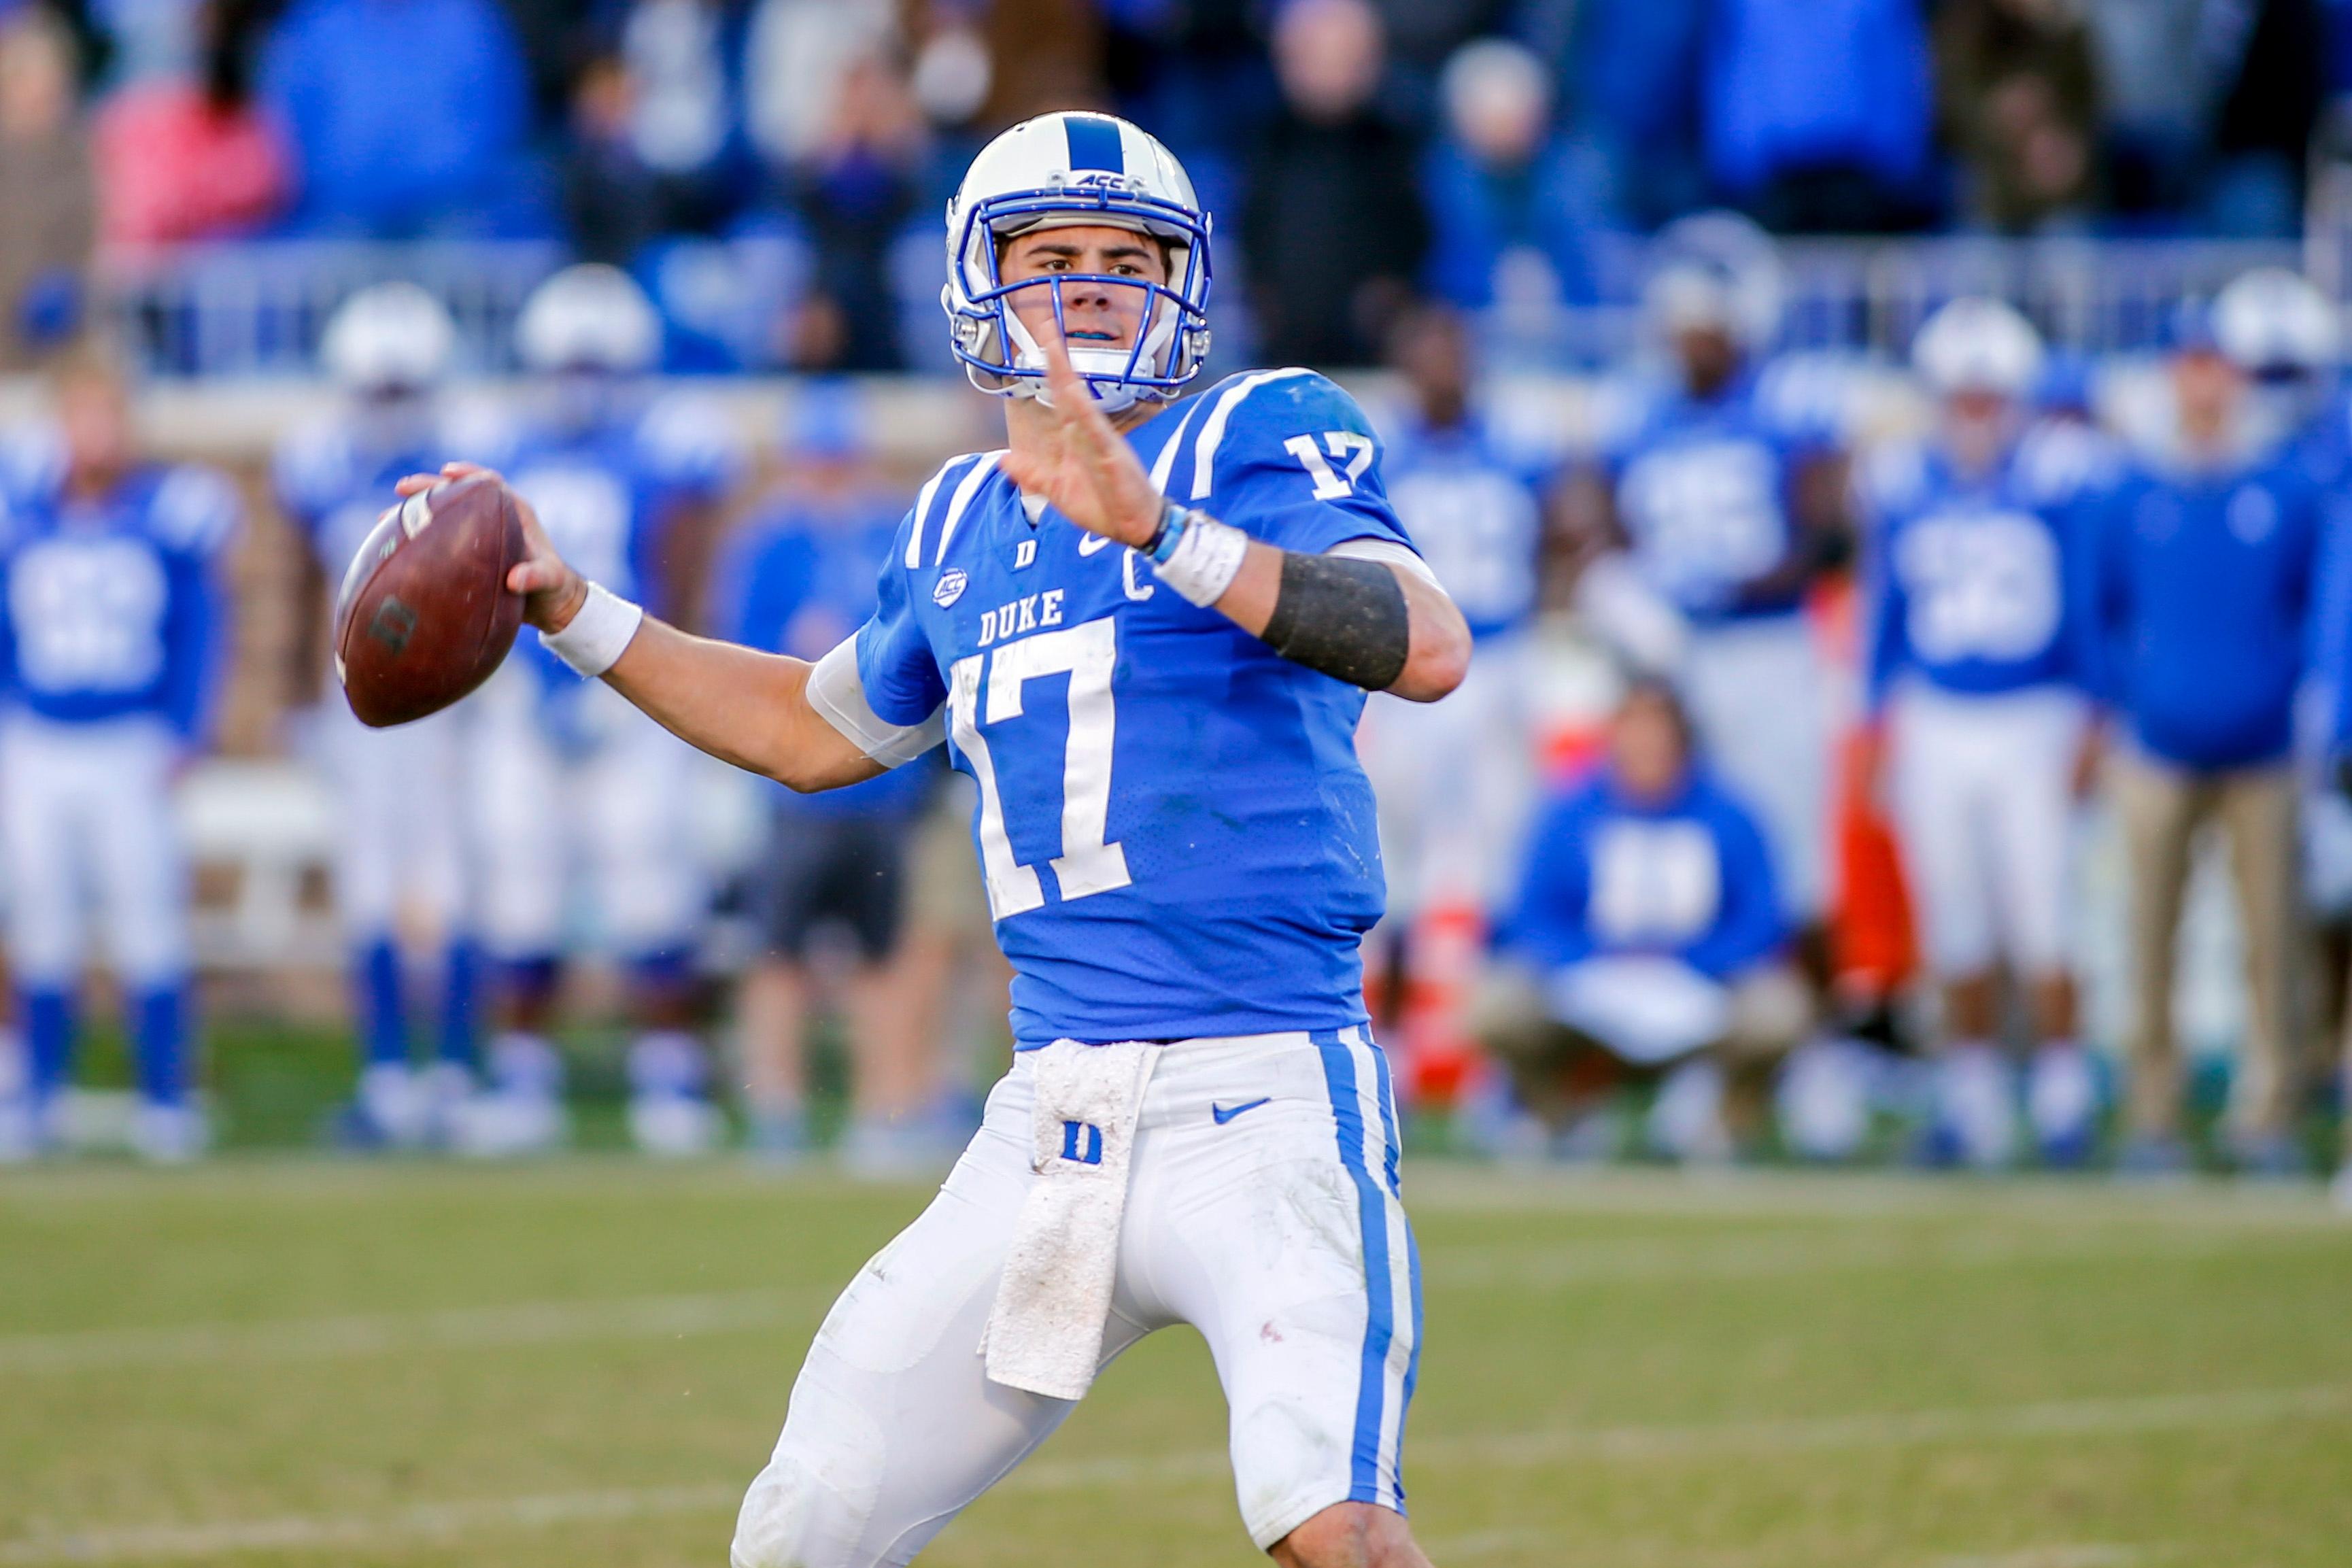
(1380, 1318)
(1412, 1247)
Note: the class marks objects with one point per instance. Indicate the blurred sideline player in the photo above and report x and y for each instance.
(400, 839)
(1159, 706)
(571, 781)
(1454, 777)
(1978, 659)
(1733, 508)
(799, 579)
(110, 636)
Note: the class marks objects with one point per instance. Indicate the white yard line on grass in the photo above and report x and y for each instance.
(2058, 1418)
(525, 1324)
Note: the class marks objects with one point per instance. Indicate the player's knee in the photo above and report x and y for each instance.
(779, 1525)
(1350, 1535)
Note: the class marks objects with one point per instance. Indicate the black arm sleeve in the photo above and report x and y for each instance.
(1343, 617)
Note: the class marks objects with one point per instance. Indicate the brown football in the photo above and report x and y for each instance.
(423, 616)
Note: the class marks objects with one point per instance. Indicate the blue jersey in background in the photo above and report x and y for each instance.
(798, 580)
(1978, 586)
(1476, 518)
(1608, 876)
(1703, 492)
(1177, 838)
(2203, 591)
(110, 607)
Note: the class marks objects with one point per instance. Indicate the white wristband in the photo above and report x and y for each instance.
(1206, 560)
(598, 633)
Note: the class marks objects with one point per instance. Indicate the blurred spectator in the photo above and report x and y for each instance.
(1632, 72)
(2262, 132)
(1421, 36)
(796, 58)
(684, 63)
(2204, 578)
(1647, 933)
(854, 191)
(1500, 183)
(1817, 113)
(610, 198)
(801, 580)
(182, 160)
(44, 169)
(2019, 93)
(1330, 224)
(408, 117)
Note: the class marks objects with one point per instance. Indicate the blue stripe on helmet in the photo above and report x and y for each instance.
(1094, 143)
(1380, 1316)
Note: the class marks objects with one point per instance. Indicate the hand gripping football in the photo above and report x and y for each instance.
(425, 614)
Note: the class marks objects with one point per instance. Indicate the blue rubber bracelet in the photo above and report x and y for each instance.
(1173, 522)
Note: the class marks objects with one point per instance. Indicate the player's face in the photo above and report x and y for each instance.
(2207, 388)
(96, 421)
(1710, 358)
(1646, 747)
(1977, 427)
(1094, 315)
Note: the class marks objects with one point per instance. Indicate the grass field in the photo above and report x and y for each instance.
(299, 1361)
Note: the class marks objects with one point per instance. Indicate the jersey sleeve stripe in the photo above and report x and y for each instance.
(972, 481)
(1212, 429)
(1164, 465)
(923, 510)
(837, 692)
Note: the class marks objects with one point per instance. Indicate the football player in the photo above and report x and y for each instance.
(1978, 660)
(110, 624)
(400, 839)
(1146, 629)
(571, 779)
(1732, 506)
(1454, 777)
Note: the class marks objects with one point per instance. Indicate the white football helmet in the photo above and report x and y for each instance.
(1061, 171)
(1977, 343)
(389, 338)
(590, 317)
(1719, 270)
(2273, 322)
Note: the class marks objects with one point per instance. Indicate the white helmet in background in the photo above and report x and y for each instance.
(1066, 169)
(590, 317)
(1717, 270)
(389, 338)
(2272, 322)
(1978, 344)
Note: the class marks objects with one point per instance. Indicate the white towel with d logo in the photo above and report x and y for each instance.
(1045, 1332)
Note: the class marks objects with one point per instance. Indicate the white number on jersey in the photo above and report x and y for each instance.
(89, 615)
(1654, 881)
(585, 510)
(1705, 516)
(1357, 451)
(1086, 864)
(1981, 585)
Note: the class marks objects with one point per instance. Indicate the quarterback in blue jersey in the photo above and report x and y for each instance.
(400, 834)
(1730, 503)
(110, 642)
(1981, 649)
(1146, 629)
(572, 785)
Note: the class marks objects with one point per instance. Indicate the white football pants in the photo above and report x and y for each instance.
(400, 841)
(1263, 1209)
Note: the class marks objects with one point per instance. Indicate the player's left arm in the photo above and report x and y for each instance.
(1377, 624)
(198, 517)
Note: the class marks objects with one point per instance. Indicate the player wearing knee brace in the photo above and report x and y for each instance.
(573, 786)
(400, 830)
(1146, 630)
(111, 626)
(1729, 498)
(1979, 658)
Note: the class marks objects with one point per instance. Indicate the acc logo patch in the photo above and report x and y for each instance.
(949, 587)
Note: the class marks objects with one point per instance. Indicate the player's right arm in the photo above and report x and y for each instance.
(751, 709)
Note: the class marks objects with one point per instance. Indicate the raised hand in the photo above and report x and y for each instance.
(1071, 454)
(552, 592)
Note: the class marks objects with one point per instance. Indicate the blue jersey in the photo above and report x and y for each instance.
(1609, 876)
(1475, 517)
(800, 579)
(108, 607)
(2203, 594)
(1978, 586)
(1702, 491)
(1177, 838)
(606, 492)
